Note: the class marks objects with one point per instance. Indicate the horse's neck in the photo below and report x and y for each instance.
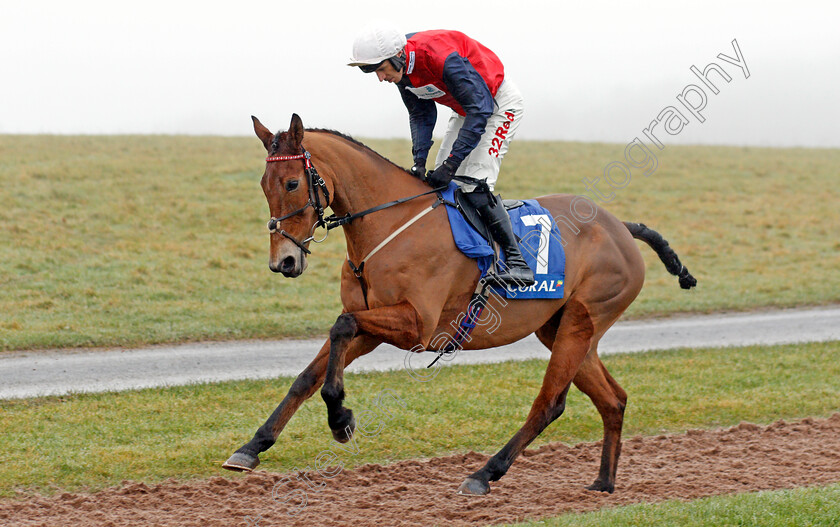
(363, 180)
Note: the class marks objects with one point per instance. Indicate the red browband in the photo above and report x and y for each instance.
(284, 158)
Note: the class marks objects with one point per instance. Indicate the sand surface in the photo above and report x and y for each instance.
(545, 481)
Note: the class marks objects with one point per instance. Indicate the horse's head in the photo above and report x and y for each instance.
(296, 197)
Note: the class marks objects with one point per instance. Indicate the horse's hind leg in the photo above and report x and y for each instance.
(610, 399)
(571, 344)
(309, 380)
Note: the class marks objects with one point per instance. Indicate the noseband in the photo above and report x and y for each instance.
(316, 183)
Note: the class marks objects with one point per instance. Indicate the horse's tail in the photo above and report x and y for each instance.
(656, 242)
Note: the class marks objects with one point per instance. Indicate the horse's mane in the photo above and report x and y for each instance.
(349, 139)
(355, 142)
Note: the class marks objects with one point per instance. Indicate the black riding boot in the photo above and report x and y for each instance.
(514, 271)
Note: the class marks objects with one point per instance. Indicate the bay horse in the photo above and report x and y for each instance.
(415, 285)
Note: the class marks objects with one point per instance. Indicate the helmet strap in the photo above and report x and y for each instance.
(398, 62)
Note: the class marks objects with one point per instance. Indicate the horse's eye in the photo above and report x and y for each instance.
(292, 185)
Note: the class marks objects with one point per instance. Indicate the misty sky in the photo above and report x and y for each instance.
(590, 71)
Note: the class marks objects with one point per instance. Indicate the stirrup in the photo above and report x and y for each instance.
(515, 275)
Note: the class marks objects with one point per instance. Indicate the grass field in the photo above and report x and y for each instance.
(806, 507)
(97, 440)
(134, 240)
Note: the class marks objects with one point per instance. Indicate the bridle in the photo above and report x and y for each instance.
(316, 184)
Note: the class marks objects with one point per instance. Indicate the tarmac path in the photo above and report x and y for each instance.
(35, 373)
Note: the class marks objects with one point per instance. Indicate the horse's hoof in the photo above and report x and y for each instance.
(473, 487)
(241, 462)
(343, 435)
(600, 486)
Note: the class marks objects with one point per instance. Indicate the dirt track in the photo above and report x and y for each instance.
(544, 482)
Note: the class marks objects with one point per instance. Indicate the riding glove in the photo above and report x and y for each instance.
(442, 175)
(419, 171)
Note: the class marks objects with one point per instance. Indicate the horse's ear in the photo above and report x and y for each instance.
(296, 129)
(263, 133)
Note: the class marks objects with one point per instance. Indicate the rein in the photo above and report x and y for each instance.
(331, 222)
(316, 182)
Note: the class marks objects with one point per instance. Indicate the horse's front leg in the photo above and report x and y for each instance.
(398, 325)
(310, 379)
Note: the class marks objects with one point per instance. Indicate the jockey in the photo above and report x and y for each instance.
(454, 70)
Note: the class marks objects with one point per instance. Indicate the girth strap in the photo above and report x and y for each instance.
(358, 272)
(468, 323)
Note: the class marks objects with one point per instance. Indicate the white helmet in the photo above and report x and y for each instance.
(374, 44)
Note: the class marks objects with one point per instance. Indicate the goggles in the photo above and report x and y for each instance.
(370, 68)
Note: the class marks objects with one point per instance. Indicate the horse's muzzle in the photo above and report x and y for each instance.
(291, 266)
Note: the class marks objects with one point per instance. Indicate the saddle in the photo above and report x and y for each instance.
(471, 214)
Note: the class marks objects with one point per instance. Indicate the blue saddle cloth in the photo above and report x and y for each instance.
(539, 241)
